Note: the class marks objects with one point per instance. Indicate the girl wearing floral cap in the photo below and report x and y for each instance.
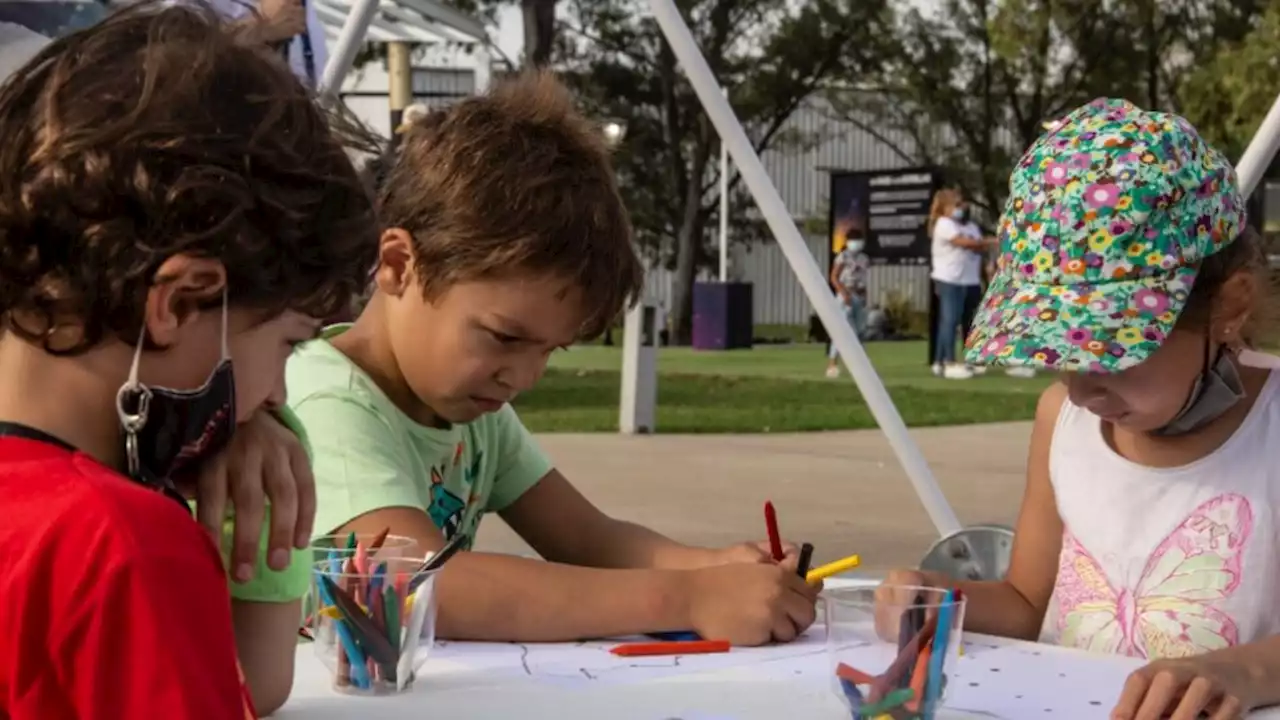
(1149, 523)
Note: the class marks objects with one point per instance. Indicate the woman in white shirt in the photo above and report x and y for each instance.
(957, 250)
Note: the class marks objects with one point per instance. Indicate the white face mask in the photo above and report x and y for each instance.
(854, 246)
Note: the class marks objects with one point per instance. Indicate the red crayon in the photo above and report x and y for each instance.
(854, 675)
(771, 526)
(689, 647)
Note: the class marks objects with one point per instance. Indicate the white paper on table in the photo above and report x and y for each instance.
(591, 662)
(1016, 681)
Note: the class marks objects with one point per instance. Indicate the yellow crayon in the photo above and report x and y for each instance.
(835, 568)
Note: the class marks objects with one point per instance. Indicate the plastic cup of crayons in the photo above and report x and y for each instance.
(891, 660)
(374, 547)
(375, 622)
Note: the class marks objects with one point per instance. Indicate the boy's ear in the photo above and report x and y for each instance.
(395, 262)
(1234, 304)
(180, 288)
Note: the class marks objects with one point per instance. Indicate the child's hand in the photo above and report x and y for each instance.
(750, 604)
(893, 595)
(755, 552)
(1187, 689)
(265, 464)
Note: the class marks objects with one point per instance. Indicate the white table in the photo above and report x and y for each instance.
(801, 691)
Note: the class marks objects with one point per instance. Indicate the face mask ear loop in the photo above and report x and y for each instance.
(134, 394)
(132, 382)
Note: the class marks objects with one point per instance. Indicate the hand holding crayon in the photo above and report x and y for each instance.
(749, 604)
(898, 590)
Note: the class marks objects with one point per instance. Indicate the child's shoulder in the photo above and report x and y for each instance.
(318, 368)
(69, 506)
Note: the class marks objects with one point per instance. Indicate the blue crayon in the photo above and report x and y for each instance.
(941, 636)
(676, 636)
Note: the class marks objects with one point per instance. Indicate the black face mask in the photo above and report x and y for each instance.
(168, 432)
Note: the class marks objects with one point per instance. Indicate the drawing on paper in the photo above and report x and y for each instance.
(991, 679)
(591, 661)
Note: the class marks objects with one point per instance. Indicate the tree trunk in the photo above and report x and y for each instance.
(688, 252)
(1153, 54)
(539, 30)
(689, 249)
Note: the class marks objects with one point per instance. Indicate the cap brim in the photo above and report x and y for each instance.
(1104, 327)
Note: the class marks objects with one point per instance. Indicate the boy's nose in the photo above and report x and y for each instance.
(524, 375)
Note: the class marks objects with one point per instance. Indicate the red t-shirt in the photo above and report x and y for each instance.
(113, 601)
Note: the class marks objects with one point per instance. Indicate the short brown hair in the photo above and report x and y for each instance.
(162, 131)
(515, 181)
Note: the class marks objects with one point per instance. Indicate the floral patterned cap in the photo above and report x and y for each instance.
(1109, 215)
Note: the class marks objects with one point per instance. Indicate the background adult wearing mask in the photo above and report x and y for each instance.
(958, 249)
(849, 280)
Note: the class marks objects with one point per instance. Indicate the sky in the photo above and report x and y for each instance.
(509, 36)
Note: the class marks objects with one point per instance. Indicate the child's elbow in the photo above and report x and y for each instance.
(269, 696)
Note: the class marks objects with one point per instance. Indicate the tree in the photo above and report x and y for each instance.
(970, 87)
(1227, 97)
(539, 18)
(771, 56)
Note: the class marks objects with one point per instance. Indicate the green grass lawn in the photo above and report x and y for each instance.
(771, 388)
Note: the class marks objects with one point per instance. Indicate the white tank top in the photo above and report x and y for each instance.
(1167, 562)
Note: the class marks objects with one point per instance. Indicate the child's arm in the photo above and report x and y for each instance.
(1015, 606)
(266, 642)
(266, 613)
(485, 596)
(368, 482)
(564, 526)
(1227, 682)
(267, 454)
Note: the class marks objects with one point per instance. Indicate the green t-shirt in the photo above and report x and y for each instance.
(369, 455)
(267, 585)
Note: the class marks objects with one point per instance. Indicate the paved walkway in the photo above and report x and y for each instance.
(842, 491)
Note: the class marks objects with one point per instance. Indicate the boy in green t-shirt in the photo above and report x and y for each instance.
(504, 240)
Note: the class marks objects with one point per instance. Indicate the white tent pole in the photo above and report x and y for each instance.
(344, 52)
(1262, 149)
(802, 263)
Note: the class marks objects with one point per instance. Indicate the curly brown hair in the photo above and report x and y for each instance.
(515, 181)
(162, 131)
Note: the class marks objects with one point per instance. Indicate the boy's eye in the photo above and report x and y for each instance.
(504, 338)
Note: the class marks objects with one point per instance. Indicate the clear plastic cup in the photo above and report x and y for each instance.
(392, 546)
(892, 658)
(374, 626)
(326, 546)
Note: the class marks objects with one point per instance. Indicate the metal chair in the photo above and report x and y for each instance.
(978, 552)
